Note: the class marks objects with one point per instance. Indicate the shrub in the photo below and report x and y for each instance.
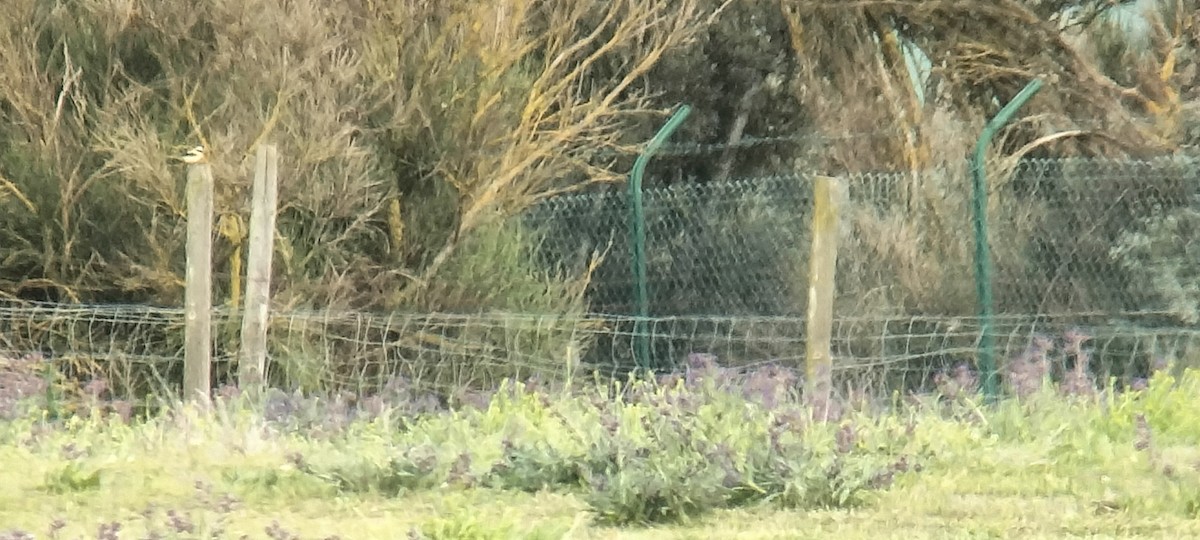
(1160, 253)
(405, 136)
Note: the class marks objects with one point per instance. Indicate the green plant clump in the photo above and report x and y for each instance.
(678, 452)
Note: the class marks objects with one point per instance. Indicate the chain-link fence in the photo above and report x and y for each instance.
(1067, 236)
(1106, 247)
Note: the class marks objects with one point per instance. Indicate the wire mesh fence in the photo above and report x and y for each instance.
(1104, 247)
(1067, 235)
(733, 248)
(1095, 249)
(138, 350)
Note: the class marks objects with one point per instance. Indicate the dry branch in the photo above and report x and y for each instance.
(568, 113)
(987, 50)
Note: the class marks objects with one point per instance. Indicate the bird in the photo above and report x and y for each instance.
(194, 155)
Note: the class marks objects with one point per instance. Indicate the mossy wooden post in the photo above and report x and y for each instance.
(252, 360)
(197, 356)
(822, 265)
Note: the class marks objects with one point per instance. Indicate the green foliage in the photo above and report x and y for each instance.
(462, 528)
(668, 454)
(532, 467)
(1164, 403)
(72, 477)
(703, 455)
(465, 525)
(288, 483)
(808, 480)
(494, 270)
(417, 469)
(647, 490)
(1161, 253)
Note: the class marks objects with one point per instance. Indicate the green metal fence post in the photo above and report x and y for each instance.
(637, 226)
(983, 264)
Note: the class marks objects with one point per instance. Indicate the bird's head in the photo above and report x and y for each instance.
(193, 155)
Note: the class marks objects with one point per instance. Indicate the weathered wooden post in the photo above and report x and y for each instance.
(197, 359)
(253, 356)
(821, 289)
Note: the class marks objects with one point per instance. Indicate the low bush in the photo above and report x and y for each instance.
(643, 451)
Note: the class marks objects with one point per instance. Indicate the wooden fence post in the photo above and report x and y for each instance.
(197, 359)
(253, 356)
(821, 276)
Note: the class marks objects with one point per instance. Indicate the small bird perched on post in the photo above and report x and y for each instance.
(194, 155)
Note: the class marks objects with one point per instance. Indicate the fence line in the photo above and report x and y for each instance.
(1099, 248)
(139, 348)
(733, 247)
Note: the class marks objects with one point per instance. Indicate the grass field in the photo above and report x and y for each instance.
(702, 457)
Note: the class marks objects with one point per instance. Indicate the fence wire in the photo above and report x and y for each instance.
(1107, 247)
(1068, 235)
(136, 350)
(1101, 249)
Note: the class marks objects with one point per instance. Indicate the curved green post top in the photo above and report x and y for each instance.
(637, 226)
(983, 264)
